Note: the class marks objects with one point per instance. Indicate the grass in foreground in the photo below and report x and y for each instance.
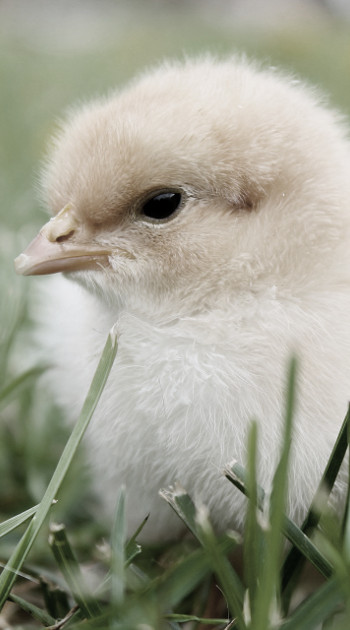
(174, 587)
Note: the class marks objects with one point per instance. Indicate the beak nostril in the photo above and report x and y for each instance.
(61, 227)
(64, 237)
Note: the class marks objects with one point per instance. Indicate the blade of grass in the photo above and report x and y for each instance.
(55, 598)
(22, 380)
(345, 523)
(71, 620)
(269, 569)
(294, 561)
(252, 532)
(181, 502)
(317, 608)
(137, 579)
(132, 574)
(6, 345)
(184, 507)
(237, 475)
(21, 551)
(118, 552)
(180, 580)
(133, 548)
(69, 567)
(36, 612)
(229, 581)
(203, 620)
(12, 523)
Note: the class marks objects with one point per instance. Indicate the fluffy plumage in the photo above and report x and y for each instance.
(210, 301)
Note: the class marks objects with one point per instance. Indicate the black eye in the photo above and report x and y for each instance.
(162, 206)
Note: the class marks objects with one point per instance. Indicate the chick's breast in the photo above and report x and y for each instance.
(205, 210)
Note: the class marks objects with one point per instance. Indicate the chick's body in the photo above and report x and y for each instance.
(212, 297)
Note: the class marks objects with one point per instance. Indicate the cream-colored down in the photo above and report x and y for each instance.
(211, 303)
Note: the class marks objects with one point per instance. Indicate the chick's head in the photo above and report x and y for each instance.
(197, 179)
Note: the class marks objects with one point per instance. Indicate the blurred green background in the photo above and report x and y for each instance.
(55, 53)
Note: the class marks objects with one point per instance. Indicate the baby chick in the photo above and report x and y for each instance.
(205, 209)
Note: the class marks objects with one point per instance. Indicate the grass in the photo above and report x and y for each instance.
(132, 587)
(129, 594)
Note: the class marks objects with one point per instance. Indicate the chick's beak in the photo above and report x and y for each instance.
(57, 248)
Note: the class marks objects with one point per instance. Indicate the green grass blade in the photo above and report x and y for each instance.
(133, 548)
(55, 597)
(180, 580)
(229, 581)
(132, 574)
(294, 561)
(21, 551)
(252, 532)
(8, 526)
(267, 594)
(118, 552)
(72, 619)
(70, 570)
(346, 518)
(36, 612)
(336, 457)
(6, 345)
(183, 505)
(317, 608)
(22, 380)
(237, 475)
(202, 620)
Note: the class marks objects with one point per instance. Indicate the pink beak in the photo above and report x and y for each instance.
(53, 249)
(43, 257)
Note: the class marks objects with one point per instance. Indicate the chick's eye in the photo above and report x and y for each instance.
(162, 206)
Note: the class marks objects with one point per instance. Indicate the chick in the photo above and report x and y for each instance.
(205, 209)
